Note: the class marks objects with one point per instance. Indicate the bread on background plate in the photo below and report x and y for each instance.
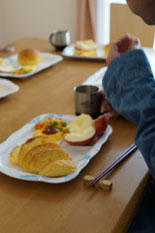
(29, 57)
(86, 45)
(106, 49)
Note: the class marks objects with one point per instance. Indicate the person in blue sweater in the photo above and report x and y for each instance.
(129, 87)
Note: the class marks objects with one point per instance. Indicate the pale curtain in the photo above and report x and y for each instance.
(86, 28)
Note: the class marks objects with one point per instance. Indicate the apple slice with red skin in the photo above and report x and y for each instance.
(82, 137)
(84, 134)
(101, 124)
(82, 143)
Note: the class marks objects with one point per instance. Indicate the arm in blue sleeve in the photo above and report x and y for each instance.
(130, 87)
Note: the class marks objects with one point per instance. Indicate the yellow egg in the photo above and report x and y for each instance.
(57, 136)
(29, 68)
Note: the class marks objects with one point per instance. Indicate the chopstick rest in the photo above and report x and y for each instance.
(127, 152)
(103, 184)
(87, 179)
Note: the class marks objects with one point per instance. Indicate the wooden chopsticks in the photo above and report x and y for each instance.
(130, 149)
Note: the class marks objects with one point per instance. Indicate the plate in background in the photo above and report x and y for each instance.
(47, 61)
(7, 87)
(69, 52)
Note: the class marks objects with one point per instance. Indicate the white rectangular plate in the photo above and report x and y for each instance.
(69, 52)
(47, 61)
(7, 87)
(81, 155)
(96, 78)
(150, 53)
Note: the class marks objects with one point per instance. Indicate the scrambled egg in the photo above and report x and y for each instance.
(25, 69)
(51, 127)
(57, 136)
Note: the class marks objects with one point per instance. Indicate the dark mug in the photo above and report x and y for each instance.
(88, 99)
(60, 39)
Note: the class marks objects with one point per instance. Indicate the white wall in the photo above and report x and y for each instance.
(36, 18)
(115, 19)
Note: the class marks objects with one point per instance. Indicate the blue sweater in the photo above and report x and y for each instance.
(130, 87)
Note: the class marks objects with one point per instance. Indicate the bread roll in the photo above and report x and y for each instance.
(106, 49)
(29, 57)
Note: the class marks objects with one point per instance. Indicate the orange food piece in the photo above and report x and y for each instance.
(38, 125)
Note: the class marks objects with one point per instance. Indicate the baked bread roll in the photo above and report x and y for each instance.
(106, 49)
(29, 57)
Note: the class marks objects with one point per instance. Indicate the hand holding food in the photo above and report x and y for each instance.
(122, 45)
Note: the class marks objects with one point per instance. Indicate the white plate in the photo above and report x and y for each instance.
(7, 87)
(96, 78)
(69, 52)
(47, 61)
(150, 53)
(81, 155)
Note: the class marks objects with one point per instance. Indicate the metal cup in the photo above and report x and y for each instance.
(60, 39)
(88, 100)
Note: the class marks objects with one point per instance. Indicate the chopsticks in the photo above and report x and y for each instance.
(127, 152)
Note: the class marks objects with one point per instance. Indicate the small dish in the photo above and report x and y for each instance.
(7, 87)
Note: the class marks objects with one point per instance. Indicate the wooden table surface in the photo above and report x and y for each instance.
(69, 207)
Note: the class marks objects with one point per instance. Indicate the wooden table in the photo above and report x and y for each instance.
(69, 207)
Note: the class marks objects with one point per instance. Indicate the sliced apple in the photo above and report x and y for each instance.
(80, 139)
(80, 123)
(101, 124)
(81, 131)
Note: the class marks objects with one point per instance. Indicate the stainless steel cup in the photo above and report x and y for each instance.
(60, 39)
(88, 100)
